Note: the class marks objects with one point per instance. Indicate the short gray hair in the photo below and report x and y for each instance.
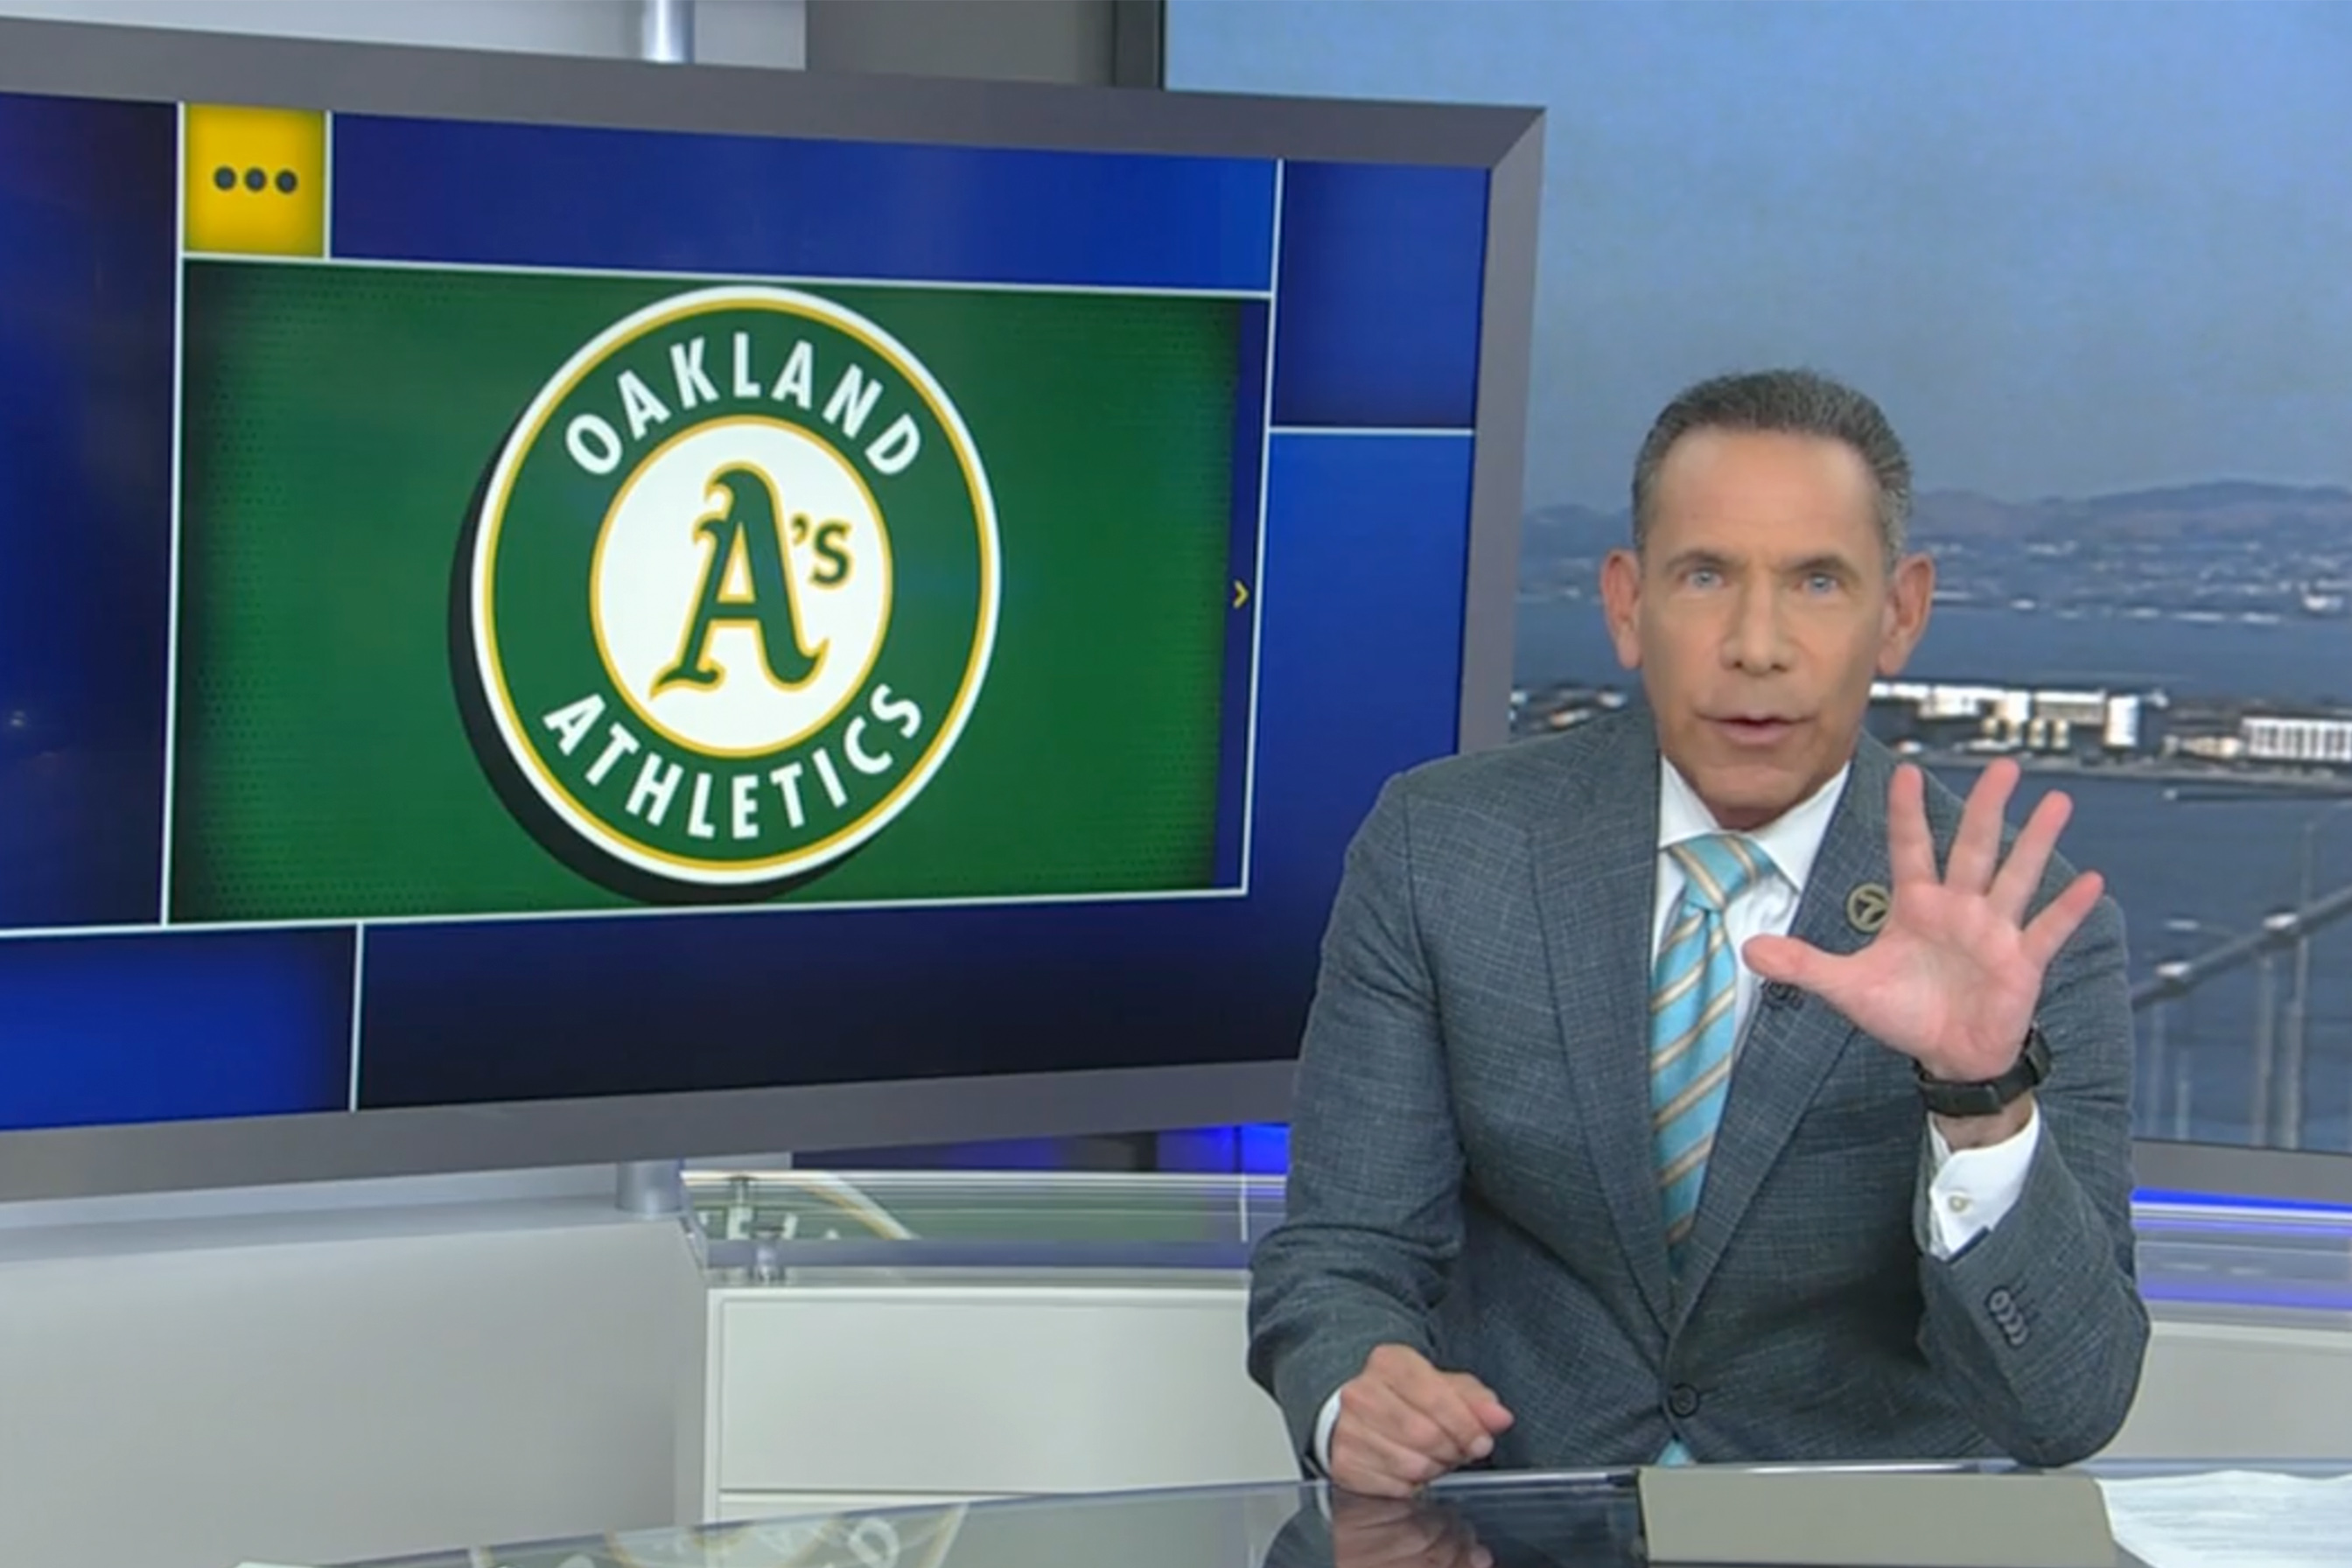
(1785, 401)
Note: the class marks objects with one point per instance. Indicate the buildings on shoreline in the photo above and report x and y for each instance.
(2085, 727)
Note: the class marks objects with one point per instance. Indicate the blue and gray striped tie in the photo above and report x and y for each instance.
(1694, 1021)
(1693, 1024)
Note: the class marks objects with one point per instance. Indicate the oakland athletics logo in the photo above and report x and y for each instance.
(730, 590)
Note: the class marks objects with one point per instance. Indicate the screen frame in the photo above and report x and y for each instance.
(155, 64)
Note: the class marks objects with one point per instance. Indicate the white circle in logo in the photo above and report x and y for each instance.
(697, 634)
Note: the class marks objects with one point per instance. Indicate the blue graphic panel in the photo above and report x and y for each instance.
(87, 255)
(1382, 272)
(174, 1026)
(538, 195)
(1367, 549)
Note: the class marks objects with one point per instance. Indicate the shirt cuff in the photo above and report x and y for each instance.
(1323, 1424)
(1969, 1191)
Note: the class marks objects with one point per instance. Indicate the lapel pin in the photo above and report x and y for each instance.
(1867, 907)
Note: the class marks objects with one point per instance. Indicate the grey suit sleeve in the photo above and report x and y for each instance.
(2037, 1326)
(1373, 1220)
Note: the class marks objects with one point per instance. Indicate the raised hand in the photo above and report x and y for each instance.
(1953, 977)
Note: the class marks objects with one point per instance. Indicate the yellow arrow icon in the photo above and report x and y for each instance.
(1241, 592)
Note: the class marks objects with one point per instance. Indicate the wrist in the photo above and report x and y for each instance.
(1992, 1099)
(1961, 1132)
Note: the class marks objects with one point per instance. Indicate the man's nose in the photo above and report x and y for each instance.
(1758, 642)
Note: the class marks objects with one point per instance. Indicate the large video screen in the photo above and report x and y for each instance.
(496, 612)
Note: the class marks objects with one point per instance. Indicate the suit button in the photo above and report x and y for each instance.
(2001, 1301)
(1780, 993)
(1682, 1401)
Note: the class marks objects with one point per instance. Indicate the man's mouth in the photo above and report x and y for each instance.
(1754, 729)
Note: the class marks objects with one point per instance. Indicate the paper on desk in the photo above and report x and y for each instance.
(2246, 1519)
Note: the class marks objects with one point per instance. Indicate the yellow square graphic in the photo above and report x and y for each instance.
(255, 181)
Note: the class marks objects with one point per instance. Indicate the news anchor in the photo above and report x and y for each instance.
(1698, 1084)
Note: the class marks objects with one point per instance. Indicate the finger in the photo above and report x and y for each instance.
(1976, 848)
(1365, 1459)
(1439, 1401)
(1414, 1403)
(1488, 1407)
(2029, 856)
(1910, 851)
(1791, 960)
(2061, 919)
(1356, 1476)
(1374, 1405)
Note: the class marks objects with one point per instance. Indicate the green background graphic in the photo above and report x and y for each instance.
(337, 422)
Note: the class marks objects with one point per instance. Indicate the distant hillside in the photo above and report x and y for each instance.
(2322, 514)
(2232, 547)
(2186, 513)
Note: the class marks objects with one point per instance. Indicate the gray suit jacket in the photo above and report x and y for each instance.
(1471, 1167)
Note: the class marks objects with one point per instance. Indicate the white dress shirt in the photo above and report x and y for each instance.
(1969, 1190)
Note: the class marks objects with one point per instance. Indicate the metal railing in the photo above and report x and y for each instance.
(2277, 1262)
(2279, 1066)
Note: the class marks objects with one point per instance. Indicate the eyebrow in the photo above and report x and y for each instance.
(1684, 560)
(1830, 561)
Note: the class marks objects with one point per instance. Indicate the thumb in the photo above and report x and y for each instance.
(1785, 959)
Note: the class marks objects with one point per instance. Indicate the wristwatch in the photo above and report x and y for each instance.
(1990, 1096)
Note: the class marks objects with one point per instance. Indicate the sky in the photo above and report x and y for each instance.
(2070, 247)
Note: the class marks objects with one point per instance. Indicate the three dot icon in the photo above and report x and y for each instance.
(253, 180)
(257, 179)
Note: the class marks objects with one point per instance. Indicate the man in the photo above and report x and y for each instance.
(1698, 1084)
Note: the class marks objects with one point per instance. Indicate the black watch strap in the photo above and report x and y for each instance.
(1991, 1095)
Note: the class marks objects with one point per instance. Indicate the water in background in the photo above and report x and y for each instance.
(2214, 868)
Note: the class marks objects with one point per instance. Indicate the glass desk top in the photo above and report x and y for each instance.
(1477, 1520)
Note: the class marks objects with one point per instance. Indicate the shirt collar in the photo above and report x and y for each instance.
(1793, 839)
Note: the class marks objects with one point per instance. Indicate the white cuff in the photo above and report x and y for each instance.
(1969, 1191)
(1323, 1424)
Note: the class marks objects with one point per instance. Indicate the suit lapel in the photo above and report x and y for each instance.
(1596, 878)
(1793, 1040)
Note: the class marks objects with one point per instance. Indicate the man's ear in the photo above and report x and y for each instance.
(1909, 596)
(1621, 602)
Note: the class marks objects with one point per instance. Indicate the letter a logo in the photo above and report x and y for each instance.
(744, 583)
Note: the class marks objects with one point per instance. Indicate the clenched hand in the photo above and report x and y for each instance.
(1402, 1424)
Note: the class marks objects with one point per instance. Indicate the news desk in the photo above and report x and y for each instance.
(1508, 1521)
(914, 1371)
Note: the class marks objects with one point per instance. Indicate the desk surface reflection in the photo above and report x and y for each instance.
(1484, 1521)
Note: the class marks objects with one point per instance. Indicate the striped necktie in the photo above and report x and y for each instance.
(1693, 1021)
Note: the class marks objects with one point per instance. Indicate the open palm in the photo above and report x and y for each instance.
(1953, 977)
